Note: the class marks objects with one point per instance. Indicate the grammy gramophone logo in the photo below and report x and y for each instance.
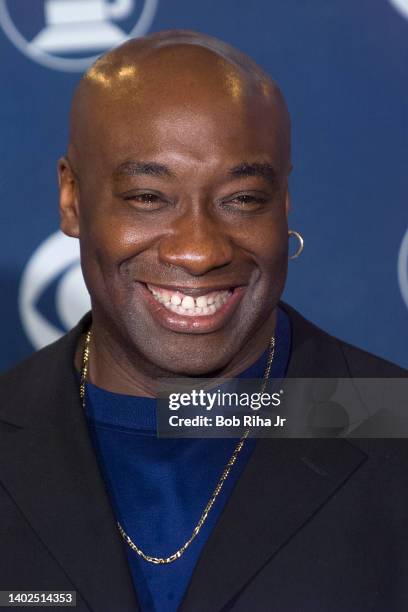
(401, 6)
(74, 32)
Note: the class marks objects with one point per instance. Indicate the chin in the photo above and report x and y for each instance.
(189, 366)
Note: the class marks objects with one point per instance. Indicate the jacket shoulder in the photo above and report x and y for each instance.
(35, 370)
(331, 355)
(364, 364)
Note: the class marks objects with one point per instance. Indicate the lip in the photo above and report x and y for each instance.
(203, 324)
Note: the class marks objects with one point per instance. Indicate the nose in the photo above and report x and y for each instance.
(197, 244)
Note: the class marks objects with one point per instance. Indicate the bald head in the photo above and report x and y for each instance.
(178, 68)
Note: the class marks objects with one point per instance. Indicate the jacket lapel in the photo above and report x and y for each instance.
(283, 485)
(49, 468)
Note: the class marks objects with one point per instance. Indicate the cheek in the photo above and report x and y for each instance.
(266, 239)
(275, 260)
(271, 255)
(111, 232)
(275, 249)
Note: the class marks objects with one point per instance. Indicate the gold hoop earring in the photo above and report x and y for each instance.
(301, 243)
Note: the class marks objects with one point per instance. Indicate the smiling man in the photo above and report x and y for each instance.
(175, 182)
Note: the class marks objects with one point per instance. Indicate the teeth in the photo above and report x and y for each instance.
(201, 301)
(188, 302)
(187, 305)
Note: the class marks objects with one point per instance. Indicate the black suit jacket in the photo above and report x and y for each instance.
(312, 525)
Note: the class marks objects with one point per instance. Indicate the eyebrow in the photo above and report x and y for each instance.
(133, 168)
(264, 170)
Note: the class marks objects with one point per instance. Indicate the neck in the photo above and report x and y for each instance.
(111, 368)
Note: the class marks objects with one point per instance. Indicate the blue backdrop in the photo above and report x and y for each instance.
(342, 65)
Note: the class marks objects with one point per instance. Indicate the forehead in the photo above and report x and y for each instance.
(198, 132)
(200, 109)
(199, 136)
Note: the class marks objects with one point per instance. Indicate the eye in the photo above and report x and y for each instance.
(246, 201)
(145, 200)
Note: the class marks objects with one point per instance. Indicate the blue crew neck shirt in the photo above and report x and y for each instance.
(159, 487)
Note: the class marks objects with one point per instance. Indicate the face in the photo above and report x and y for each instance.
(180, 204)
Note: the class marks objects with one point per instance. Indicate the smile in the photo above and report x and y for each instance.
(188, 305)
(188, 310)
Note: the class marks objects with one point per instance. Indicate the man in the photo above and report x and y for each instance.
(176, 184)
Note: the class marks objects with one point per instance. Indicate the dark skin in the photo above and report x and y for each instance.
(176, 175)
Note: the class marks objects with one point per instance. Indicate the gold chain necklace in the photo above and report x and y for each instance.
(223, 477)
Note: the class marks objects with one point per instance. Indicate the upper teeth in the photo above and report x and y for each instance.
(187, 304)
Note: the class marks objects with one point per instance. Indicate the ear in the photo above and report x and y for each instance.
(69, 200)
(288, 203)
